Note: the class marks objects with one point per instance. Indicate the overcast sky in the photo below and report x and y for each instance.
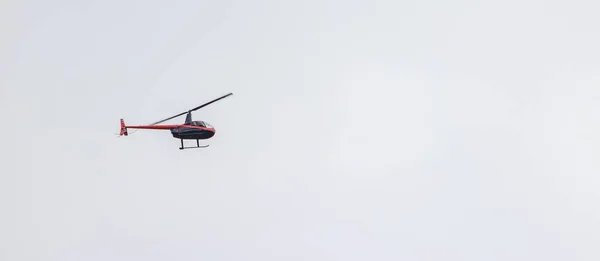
(358, 130)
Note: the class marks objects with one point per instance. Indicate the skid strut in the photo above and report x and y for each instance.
(197, 145)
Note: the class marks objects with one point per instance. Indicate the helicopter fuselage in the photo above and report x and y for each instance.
(192, 130)
(188, 132)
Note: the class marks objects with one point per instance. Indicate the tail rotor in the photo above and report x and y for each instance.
(123, 129)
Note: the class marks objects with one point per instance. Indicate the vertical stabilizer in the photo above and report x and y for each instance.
(123, 128)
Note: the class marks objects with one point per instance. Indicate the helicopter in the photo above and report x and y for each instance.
(189, 130)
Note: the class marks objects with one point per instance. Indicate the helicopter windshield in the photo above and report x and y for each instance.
(201, 124)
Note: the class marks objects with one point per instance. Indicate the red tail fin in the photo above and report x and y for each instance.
(123, 128)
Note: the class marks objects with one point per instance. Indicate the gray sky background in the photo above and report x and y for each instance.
(359, 130)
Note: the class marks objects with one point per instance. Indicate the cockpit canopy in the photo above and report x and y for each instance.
(201, 124)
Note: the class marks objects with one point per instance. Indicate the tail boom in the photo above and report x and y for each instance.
(124, 127)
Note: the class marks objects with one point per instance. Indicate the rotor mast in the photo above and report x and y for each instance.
(188, 118)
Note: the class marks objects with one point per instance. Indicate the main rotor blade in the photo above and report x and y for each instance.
(172, 117)
(199, 107)
(208, 103)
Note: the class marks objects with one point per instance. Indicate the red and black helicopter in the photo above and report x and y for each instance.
(189, 130)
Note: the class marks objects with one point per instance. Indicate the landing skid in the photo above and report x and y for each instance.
(196, 147)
